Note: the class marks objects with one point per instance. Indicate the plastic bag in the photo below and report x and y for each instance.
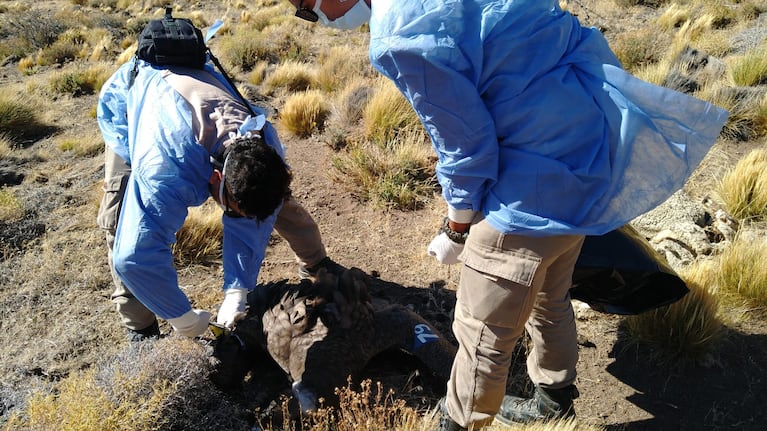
(620, 273)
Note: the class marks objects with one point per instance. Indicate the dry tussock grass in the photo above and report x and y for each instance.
(305, 113)
(291, 76)
(749, 69)
(387, 114)
(687, 330)
(19, 115)
(398, 174)
(340, 64)
(742, 273)
(743, 190)
(199, 239)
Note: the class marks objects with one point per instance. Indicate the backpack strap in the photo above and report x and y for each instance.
(231, 83)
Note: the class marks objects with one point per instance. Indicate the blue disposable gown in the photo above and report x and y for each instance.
(150, 126)
(533, 120)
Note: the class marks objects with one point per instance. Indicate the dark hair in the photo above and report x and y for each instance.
(256, 176)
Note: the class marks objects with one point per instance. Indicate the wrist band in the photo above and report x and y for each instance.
(457, 237)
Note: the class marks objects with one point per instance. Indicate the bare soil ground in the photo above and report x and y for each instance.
(70, 316)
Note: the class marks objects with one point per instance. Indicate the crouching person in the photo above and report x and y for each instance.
(176, 136)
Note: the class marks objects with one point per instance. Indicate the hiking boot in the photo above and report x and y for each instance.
(151, 332)
(445, 423)
(309, 272)
(545, 404)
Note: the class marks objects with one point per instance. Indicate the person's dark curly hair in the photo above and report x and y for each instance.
(256, 176)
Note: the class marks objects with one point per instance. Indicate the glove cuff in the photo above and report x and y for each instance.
(239, 294)
(192, 323)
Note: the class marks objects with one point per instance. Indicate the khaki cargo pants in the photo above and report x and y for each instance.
(293, 223)
(510, 283)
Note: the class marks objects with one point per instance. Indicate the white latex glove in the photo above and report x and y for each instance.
(192, 323)
(233, 308)
(444, 249)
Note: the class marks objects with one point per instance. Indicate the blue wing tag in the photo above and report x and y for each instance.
(423, 335)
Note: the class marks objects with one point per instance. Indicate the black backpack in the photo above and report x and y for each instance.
(173, 42)
(176, 42)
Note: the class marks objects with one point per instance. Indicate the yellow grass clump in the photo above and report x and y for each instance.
(743, 190)
(293, 76)
(750, 69)
(305, 113)
(387, 113)
(742, 274)
(674, 16)
(687, 330)
(18, 116)
(340, 64)
(199, 238)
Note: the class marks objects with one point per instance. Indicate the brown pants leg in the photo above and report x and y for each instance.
(133, 313)
(510, 283)
(299, 229)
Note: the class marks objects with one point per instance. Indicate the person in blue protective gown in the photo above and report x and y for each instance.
(175, 137)
(542, 138)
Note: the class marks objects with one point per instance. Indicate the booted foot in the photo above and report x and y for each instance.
(445, 423)
(308, 272)
(545, 404)
(151, 332)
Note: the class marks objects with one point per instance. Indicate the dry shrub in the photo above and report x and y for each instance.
(742, 271)
(10, 206)
(292, 76)
(304, 113)
(80, 81)
(743, 190)
(571, 424)
(367, 410)
(29, 29)
(246, 46)
(199, 239)
(151, 386)
(637, 49)
(388, 113)
(687, 330)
